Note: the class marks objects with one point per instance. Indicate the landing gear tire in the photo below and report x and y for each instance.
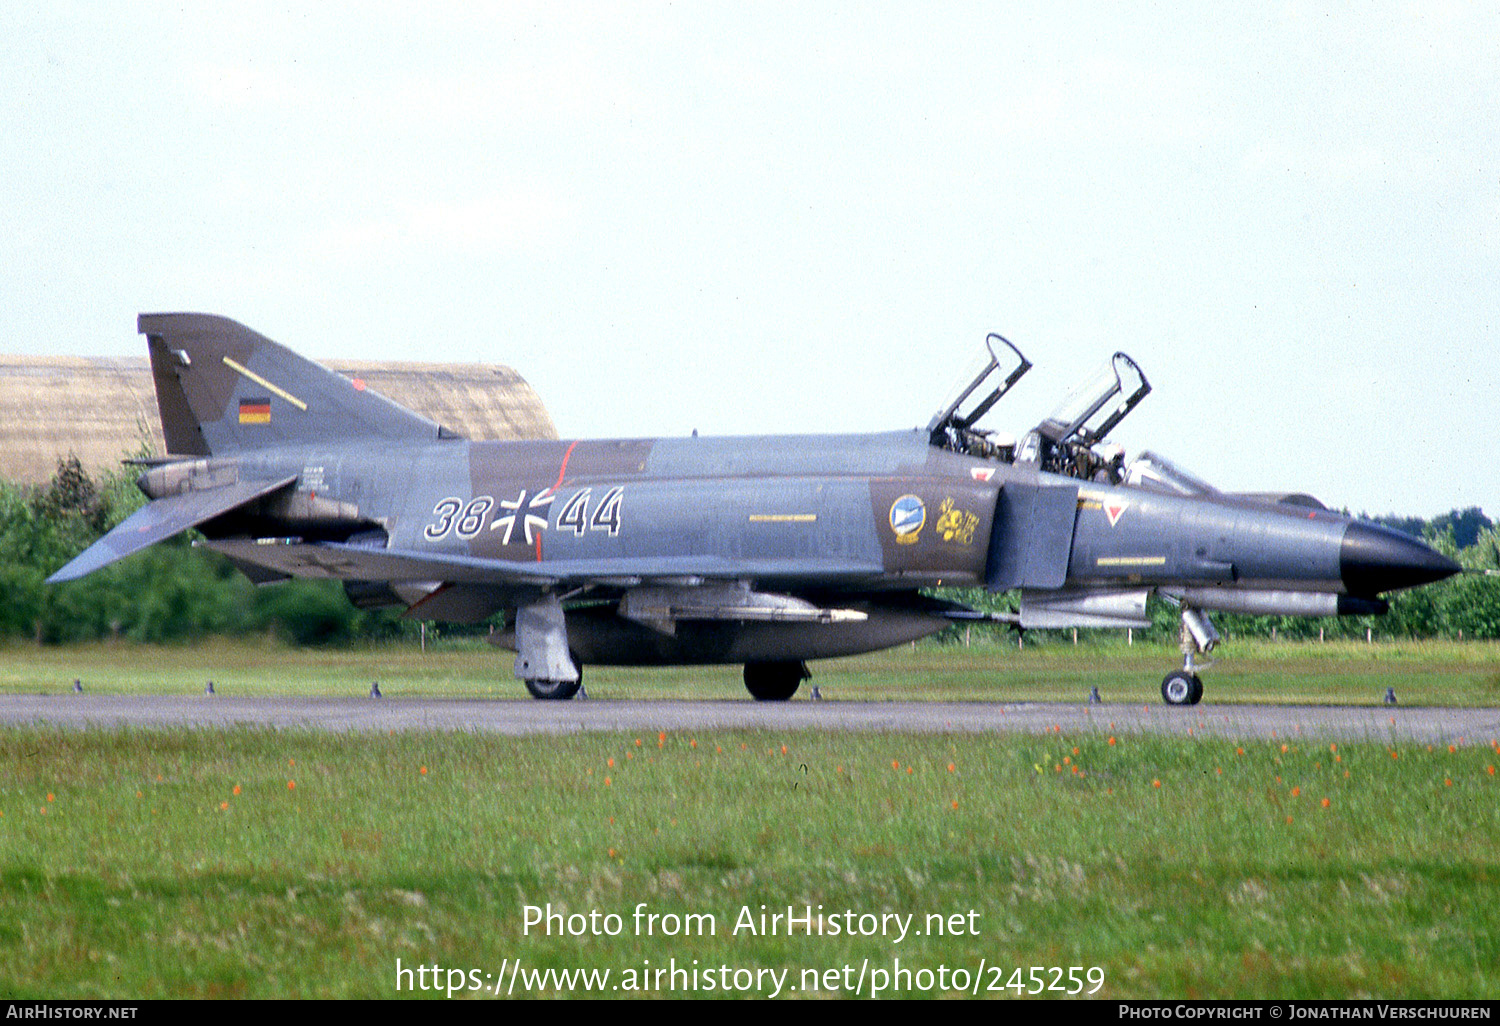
(774, 682)
(558, 690)
(552, 689)
(1182, 688)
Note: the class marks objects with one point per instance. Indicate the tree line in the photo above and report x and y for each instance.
(176, 592)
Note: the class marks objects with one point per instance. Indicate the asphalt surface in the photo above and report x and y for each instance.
(533, 717)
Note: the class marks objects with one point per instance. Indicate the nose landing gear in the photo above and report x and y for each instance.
(1184, 686)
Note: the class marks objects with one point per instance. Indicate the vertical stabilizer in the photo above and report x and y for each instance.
(222, 388)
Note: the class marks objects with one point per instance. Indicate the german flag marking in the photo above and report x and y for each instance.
(255, 411)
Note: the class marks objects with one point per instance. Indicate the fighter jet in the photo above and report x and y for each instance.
(765, 551)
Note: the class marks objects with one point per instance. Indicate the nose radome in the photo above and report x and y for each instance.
(1375, 559)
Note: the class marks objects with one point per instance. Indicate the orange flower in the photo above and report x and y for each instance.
(1218, 771)
(1156, 783)
(909, 770)
(638, 742)
(951, 768)
(955, 803)
(1075, 751)
(1289, 819)
(223, 806)
(1447, 782)
(236, 788)
(895, 764)
(1239, 751)
(1067, 760)
(662, 736)
(1296, 791)
(1333, 748)
(610, 762)
(611, 853)
(783, 749)
(1111, 741)
(50, 796)
(1451, 749)
(1326, 803)
(1394, 755)
(291, 762)
(423, 771)
(291, 785)
(693, 744)
(1490, 770)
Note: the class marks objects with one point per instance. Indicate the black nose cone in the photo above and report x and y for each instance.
(1373, 559)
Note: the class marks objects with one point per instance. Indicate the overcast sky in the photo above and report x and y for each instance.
(755, 218)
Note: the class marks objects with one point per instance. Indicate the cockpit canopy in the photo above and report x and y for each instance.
(1091, 411)
(952, 428)
(1065, 442)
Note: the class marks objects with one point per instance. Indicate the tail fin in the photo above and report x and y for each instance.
(222, 389)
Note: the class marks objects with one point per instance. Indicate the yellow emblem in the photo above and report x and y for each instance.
(954, 524)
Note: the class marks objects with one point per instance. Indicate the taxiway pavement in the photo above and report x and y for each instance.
(520, 717)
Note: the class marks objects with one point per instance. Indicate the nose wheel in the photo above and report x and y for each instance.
(1182, 688)
(1198, 636)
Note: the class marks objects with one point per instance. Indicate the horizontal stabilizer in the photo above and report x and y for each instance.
(160, 520)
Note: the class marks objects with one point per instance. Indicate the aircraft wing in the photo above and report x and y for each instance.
(161, 519)
(360, 563)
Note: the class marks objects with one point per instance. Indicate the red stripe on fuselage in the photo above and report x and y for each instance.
(562, 472)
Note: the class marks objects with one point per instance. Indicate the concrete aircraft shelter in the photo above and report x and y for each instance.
(104, 408)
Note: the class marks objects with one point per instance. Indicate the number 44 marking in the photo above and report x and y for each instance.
(575, 512)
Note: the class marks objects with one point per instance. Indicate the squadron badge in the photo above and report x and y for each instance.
(908, 515)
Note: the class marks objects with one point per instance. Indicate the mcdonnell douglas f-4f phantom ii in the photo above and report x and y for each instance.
(765, 551)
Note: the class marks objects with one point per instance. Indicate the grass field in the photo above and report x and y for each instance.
(1423, 673)
(257, 863)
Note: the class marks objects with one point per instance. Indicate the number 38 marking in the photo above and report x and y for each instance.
(575, 513)
(469, 521)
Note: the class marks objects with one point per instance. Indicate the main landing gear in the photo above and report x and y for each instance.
(559, 690)
(1184, 686)
(775, 681)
